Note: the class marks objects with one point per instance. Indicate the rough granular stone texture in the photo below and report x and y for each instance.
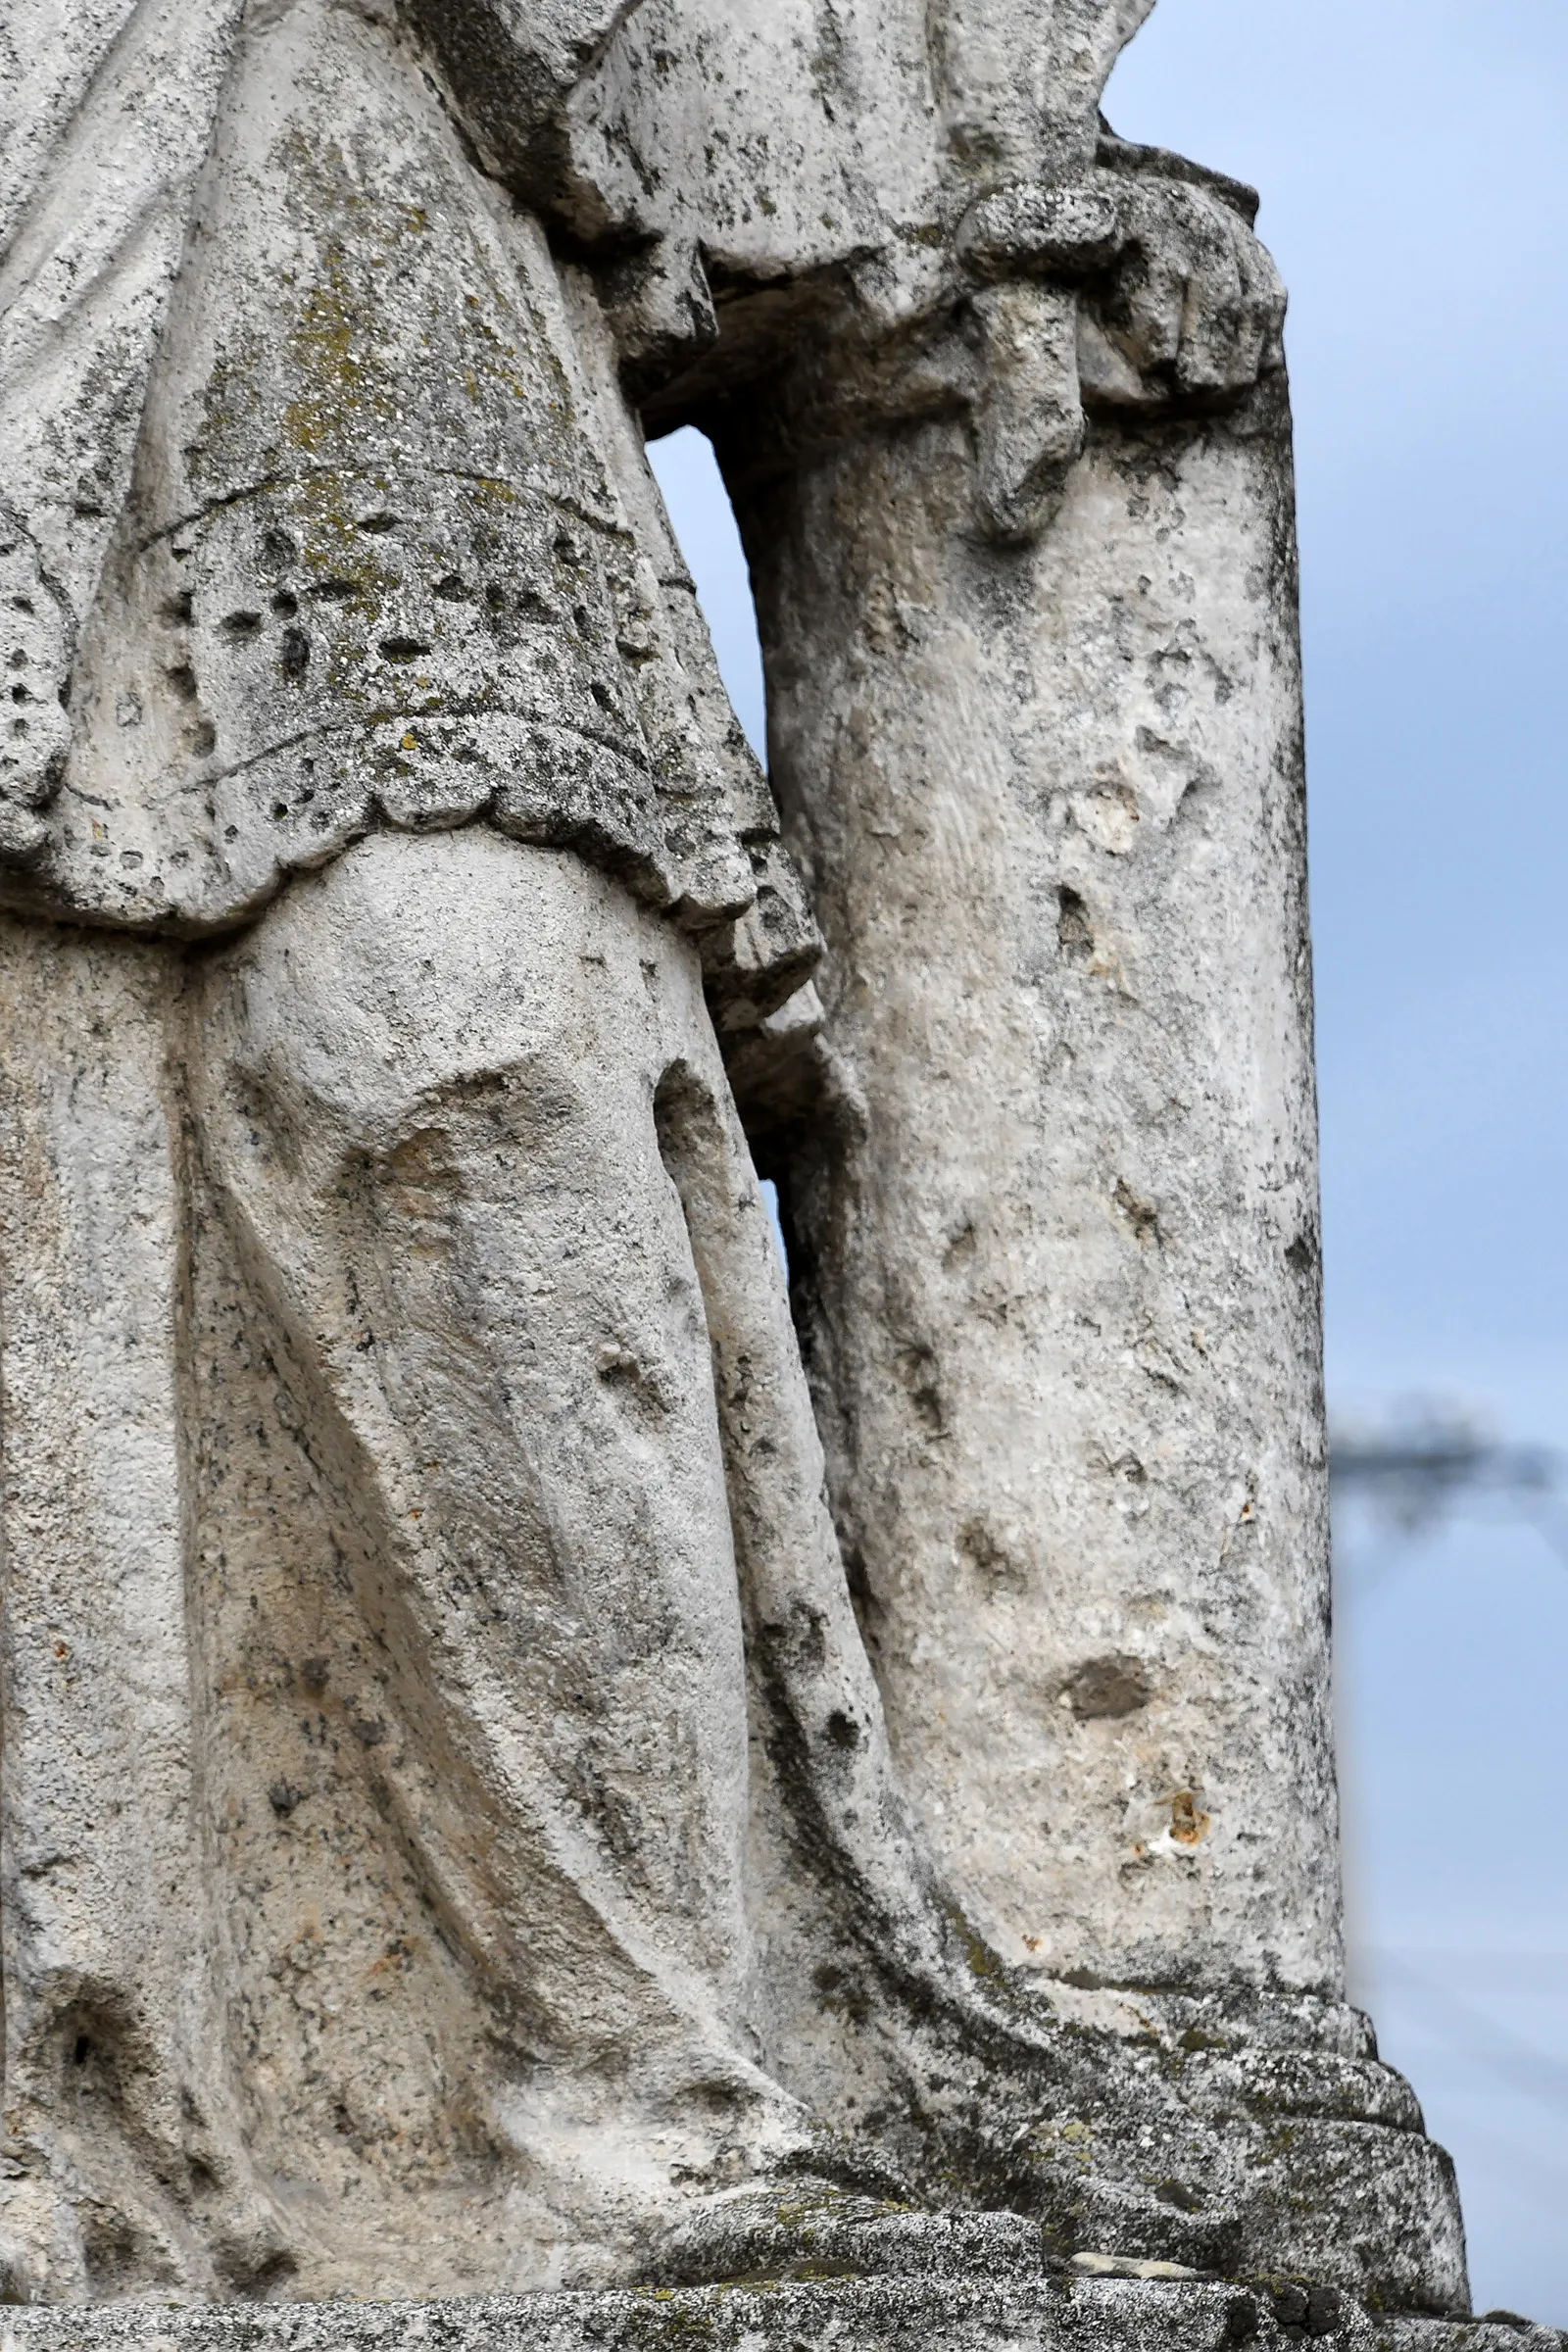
(884, 2315)
(529, 1767)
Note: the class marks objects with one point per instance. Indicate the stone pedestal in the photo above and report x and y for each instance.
(933, 2313)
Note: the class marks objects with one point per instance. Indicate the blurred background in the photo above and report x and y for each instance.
(1413, 158)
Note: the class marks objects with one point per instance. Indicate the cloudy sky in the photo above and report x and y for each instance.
(1413, 158)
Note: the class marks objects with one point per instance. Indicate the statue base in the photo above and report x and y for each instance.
(911, 2314)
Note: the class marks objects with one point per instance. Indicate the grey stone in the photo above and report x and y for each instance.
(888, 2314)
(530, 1770)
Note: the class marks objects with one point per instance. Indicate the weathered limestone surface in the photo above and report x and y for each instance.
(525, 1771)
(887, 2314)
(1058, 1228)
(105, 1896)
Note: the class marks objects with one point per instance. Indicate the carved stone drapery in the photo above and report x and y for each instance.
(491, 1797)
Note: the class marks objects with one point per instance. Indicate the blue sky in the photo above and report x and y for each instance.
(1413, 159)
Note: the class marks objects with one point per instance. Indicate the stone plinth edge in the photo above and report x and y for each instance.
(860, 2315)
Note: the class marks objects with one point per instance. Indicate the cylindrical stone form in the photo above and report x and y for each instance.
(1055, 1228)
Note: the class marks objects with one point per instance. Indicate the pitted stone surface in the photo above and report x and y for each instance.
(885, 2315)
(516, 1780)
(370, 563)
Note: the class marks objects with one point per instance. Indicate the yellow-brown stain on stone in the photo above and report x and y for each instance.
(1188, 1826)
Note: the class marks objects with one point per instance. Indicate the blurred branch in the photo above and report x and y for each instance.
(1431, 1461)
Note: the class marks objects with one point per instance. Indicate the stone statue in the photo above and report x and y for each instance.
(493, 1800)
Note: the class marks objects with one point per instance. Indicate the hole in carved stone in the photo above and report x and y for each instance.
(1107, 1687)
(775, 1223)
(1075, 935)
(1141, 1215)
(868, 1606)
(990, 1556)
(704, 523)
(915, 1369)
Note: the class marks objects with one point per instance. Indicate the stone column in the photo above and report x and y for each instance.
(1054, 1240)
(1025, 574)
